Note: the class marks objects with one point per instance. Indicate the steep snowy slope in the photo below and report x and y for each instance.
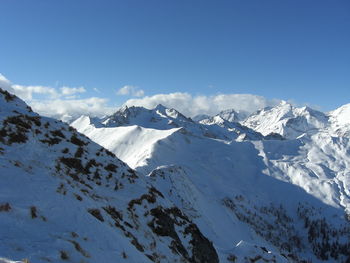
(237, 175)
(320, 164)
(287, 120)
(133, 143)
(64, 198)
(286, 196)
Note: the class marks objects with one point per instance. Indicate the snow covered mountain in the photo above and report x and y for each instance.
(288, 196)
(64, 198)
(132, 132)
(340, 121)
(213, 191)
(287, 120)
(292, 122)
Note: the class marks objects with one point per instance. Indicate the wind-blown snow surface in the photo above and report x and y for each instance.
(284, 194)
(64, 198)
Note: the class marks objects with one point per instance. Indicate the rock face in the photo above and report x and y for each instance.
(164, 224)
(64, 198)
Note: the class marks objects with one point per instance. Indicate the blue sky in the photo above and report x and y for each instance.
(290, 49)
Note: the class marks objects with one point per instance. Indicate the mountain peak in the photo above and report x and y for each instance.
(160, 107)
(232, 115)
(287, 120)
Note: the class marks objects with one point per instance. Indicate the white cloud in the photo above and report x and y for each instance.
(71, 91)
(211, 105)
(27, 92)
(131, 90)
(60, 103)
(4, 82)
(68, 110)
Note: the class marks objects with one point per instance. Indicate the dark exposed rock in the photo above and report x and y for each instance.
(73, 163)
(96, 213)
(203, 250)
(8, 97)
(75, 140)
(111, 167)
(164, 223)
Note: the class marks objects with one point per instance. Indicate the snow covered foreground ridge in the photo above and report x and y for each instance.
(214, 192)
(287, 192)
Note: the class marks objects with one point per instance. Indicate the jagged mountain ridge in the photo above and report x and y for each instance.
(162, 118)
(64, 198)
(308, 177)
(139, 129)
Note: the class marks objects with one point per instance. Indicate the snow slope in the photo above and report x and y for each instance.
(290, 197)
(133, 143)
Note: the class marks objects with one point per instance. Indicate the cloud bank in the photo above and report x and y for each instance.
(71, 91)
(194, 105)
(27, 92)
(65, 103)
(69, 110)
